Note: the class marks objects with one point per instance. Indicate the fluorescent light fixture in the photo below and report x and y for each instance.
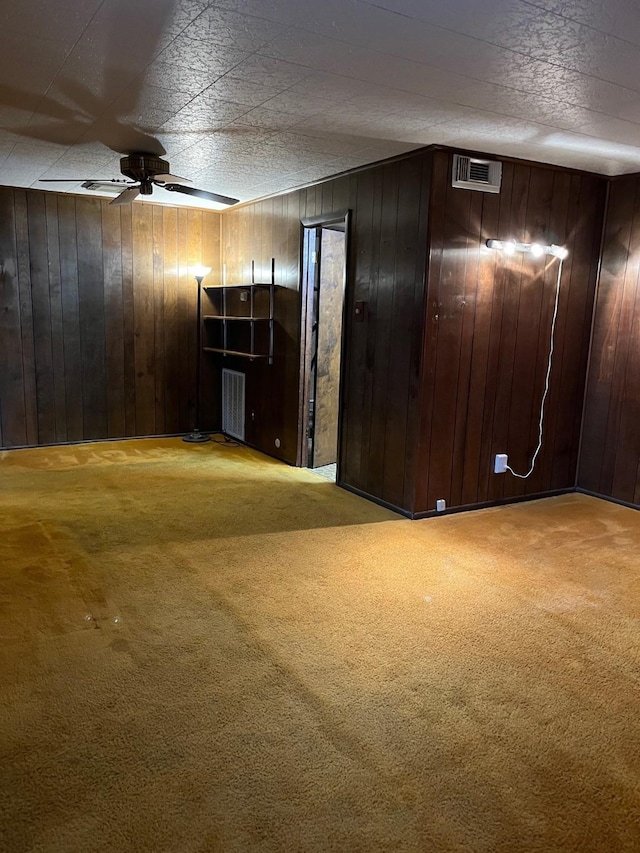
(510, 247)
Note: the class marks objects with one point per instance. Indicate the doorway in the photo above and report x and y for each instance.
(323, 285)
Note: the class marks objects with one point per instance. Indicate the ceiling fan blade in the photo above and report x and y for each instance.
(221, 199)
(127, 196)
(171, 179)
(78, 180)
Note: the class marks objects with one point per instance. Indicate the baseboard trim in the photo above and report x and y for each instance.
(608, 498)
(96, 440)
(488, 504)
(416, 516)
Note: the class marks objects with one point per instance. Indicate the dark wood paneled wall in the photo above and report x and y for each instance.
(387, 251)
(97, 326)
(610, 457)
(434, 387)
(259, 232)
(487, 334)
(97, 316)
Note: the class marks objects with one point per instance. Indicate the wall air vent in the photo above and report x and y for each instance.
(233, 403)
(469, 173)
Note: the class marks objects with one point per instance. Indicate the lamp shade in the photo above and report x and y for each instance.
(199, 271)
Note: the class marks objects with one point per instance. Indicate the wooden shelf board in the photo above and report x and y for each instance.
(231, 317)
(235, 352)
(238, 286)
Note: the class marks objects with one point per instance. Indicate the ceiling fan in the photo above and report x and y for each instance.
(145, 171)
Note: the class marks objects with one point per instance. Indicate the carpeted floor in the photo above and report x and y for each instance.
(205, 650)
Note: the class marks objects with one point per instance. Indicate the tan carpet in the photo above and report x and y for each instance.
(205, 650)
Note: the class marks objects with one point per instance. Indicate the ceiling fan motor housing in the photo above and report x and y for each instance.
(142, 167)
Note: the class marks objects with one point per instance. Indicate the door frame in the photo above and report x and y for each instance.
(306, 316)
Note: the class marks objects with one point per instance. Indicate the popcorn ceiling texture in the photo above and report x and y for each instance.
(206, 650)
(250, 97)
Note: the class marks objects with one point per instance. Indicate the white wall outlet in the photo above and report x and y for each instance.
(441, 505)
(500, 465)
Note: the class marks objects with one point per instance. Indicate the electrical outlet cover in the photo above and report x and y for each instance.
(500, 465)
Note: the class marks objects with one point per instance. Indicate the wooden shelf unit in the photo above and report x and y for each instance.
(238, 318)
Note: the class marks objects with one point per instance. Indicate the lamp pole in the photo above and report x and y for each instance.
(195, 436)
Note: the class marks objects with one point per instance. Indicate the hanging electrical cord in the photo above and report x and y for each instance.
(546, 383)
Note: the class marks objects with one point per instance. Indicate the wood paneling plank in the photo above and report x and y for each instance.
(144, 314)
(516, 271)
(610, 452)
(57, 317)
(371, 319)
(418, 332)
(173, 378)
(159, 320)
(23, 261)
(129, 321)
(463, 424)
(359, 272)
(476, 459)
(563, 211)
(12, 386)
(114, 319)
(501, 280)
(41, 305)
(537, 290)
(68, 241)
(381, 416)
(450, 290)
(408, 254)
(92, 320)
(435, 249)
(194, 256)
(627, 288)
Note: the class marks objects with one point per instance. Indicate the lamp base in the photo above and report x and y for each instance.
(196, 437)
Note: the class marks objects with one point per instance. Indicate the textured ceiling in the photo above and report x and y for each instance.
(250, 97)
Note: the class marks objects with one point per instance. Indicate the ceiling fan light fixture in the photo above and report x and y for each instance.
(144, 171)
(142, 167)
(112, 186)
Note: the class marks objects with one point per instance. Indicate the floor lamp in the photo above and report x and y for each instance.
(195, 436)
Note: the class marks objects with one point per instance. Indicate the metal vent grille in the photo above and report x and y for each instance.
(479, 172)
(233, 403)
(472, 174)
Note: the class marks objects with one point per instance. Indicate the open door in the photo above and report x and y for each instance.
(324, 269)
